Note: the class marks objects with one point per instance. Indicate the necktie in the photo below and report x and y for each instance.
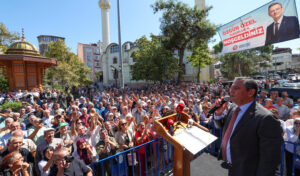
(276, 28)
(228, 132)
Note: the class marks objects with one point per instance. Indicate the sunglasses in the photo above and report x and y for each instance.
(123, 124)
(297, 123)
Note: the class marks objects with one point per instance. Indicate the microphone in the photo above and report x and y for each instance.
(178, 117)
(224, 100)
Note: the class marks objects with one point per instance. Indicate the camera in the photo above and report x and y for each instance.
(68, 158)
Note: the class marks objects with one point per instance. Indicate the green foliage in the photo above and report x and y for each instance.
(6, 37)
(3, 81)
(183, 27)
(245, 63)
(153, 61)
(218, 47)
(200, 57)
(70, 70)
(15, 106)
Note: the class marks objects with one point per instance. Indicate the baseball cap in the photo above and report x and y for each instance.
(62, 124)
(48, 129)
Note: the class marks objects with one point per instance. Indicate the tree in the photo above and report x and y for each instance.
(183, 27)
(6, 37)
(200, 57)
(245, 63)
(153, 61)
(3, 81)
(70, 70)
(218, 48)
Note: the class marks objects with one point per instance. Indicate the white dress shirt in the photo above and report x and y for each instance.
(240, 115)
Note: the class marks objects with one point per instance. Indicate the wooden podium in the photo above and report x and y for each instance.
(182, 156)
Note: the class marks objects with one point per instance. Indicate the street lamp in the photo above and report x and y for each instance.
(120, 47)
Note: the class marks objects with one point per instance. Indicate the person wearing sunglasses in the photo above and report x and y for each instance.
(124, 136)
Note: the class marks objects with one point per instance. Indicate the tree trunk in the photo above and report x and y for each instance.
(181, 72)
(198, 75)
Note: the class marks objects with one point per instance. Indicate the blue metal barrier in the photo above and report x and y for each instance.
(295, 156)
(157, 160)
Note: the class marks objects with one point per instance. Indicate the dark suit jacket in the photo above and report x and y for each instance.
(255, 144)
(289, 29)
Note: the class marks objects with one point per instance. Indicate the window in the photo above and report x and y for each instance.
(114, 49)
(88, 58)
(97, 51)
(115, 60)
(90, 64)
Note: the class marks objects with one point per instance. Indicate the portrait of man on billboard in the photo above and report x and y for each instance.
(283, 28)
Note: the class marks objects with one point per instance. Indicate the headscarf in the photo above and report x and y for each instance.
(83, 153)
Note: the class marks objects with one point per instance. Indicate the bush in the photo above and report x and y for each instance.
(3, 83)
(15, 106)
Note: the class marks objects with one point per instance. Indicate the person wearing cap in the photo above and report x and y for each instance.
(49, 140)
(63, 134)
(293, 135)
(58, 118)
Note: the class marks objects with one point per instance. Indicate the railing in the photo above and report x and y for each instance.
(296, 156)
(158, 158)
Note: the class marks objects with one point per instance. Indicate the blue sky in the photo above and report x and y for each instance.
(80, 20)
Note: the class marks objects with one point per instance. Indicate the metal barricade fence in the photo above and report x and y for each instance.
(295, 158)
(152, 158)
(157, 158)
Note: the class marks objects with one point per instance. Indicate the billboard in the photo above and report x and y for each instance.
(274, 22)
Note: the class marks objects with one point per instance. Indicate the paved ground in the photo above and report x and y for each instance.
(208, 165)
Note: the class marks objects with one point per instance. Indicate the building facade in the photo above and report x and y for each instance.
(44, 41)
(109, 63)
(281, 61)
(90, 55)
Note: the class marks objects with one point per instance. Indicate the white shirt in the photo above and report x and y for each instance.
(41, 165)
(239, 117)
(291, 137)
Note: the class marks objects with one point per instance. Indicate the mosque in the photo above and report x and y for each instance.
(107, 61)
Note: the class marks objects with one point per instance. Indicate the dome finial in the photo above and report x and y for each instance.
(23, 35)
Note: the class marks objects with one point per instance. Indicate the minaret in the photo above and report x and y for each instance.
(200, 4)
(105, 6)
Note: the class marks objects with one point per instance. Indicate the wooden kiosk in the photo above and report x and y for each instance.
(182, 156)
(24, 66)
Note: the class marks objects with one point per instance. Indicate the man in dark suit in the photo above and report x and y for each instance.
(283, 28)
(252, 140)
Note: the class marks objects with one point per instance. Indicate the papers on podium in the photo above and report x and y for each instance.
(194, 139)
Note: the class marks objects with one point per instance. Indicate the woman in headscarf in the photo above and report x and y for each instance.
(85, 152)
(293, 135)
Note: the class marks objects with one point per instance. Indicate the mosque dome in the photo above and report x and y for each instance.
(22, 47)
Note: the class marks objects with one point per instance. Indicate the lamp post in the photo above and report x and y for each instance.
(120, 47)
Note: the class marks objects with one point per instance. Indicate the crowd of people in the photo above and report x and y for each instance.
(57, 132)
